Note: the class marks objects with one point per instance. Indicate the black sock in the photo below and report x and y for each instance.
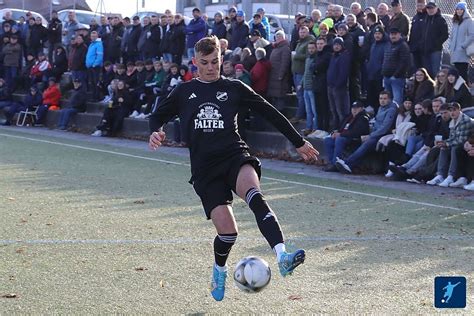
(266, 219)
(222, 245)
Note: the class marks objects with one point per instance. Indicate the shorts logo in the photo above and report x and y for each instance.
(221, 96)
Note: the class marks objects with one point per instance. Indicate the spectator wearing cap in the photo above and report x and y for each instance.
(395, 65)
(94, 63)
(415, 42)
(239, 32)
(374, 67)
(219, 29)
(460, 127)
(399, 19)
(435, 34)
(265, 23)
(195, 30)
(321, 65)
(347, 135)
(338, 81)
(297, 69)
(31, 101)
(457, 90)
(76, 104)
(69, 28)
(356, 9)
(343, 32)
(55, 31)
(11, 61)
(461, 36)
(77, 59)
(257, 25)
(382, 13)
(51, 99)
(280, 59)
(130, 52)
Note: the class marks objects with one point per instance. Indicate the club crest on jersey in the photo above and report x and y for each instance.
(221, 96)
(208, 118)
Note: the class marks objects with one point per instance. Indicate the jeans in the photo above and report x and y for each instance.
(94, 77)
(310, 106)
(168, 57)
(299, 95)
(334, 147)
(395, 86)
(65, 117)
(432, 62)
(356, 157)
(190, 52)
(11, 74)
(416, 161)
(447, 162)
(41, 114)
(338, 105)
(414, 143)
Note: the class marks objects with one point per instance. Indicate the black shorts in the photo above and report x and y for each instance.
(216, 188)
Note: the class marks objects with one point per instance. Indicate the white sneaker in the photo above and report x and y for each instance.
(470, 186)
(389, 174)
(97, 133)
(134, 114)
(436, 180)
(446, 182)
(141, 116)
(459, 183)
(413, 180)
(342, 166)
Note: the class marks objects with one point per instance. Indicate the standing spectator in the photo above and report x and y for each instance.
(395, 65)
(462, 35)
(11, 61)
(178, 39)
(257, 25)
(51, 99)
(260, 73)
(316, 17)
(382, 12)
(436, 33)
(165, 42)
(383, 125)
(8, 19)
(76, 104)
(399, 20)
(130, 53)
(239, 32)
(127, 28)
(308, 93)
(69, 28)
(151, 47)
(143, 36)
(356, 9)
(297, 68)
(93, 26)
(357, 33)
(457, 90)
(228, 69)
(94, 62)
(77, 59)
(55, 31)
(417, 33)
(113, 41)
(38, 36)
(280, 59)
(219, 29)
(321, 65)
(59, 62)
(295, 33)
(265, 23)
(338, 80)
(374, 67)
(338, 15)
(195, 30)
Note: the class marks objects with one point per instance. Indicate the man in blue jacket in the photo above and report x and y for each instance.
(94, 62)
(383, 125)
(239, 32)
(195, 30)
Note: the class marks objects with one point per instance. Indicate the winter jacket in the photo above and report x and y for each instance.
(113, 42)
(354, 127)
(77, 57)
(32, 101)
(437, 126)
(339, 68)
(396, 60)
(307, 81)
(177, 39)
(361, 20)
(461, 94)
(239, 35)
(259, 75)
(151, 46)
(165, 42)
(60, 62)
(131, 46)
(95, 54)
(264, 28)
(321, 65)
(425, 90)
(124, 95)
(356, 31)
(400, 21)
(143, 36)
(384, 120)
(70, 27)
(38, 35)
(55, 31)
(299, 58)
(52, 95)
(258, 27)
(78, 99)
(417, 32)
(462, 34)
(11, 55)
(195, 30)
(219, 30)
(435, 33)
(459, 130)
(280, 59)
(375, 62)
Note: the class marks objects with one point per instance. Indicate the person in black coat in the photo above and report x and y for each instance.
(219, 29)
(321, 65)
(457, 90)
(38, 36)
(349, 133)
(130, 53)
(59, 62)
(77, 59)
(55, 31)
(178, 39)
(239, 32)
(151, 48)
(417, 31)
(76, 104)
(112, 42)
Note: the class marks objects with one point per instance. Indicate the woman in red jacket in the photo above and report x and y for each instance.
(51, 97)
(260, 73)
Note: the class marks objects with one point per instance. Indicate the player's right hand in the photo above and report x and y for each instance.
(156, 139)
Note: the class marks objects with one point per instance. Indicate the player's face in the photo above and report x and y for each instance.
(208, 65)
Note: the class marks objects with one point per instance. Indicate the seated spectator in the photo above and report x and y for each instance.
(247, 59)
(225, 51)
(465, 158)
(111, 88)
(422, 125)
(138, 92)
(41, 70)
(218, 28)
(31, 101)
(153, 86)
(349, 134)
(460, 127)
(108, 75)
(423, 87)
(51, 99)
(118, 109)
(457, 90)
(25, 79)
(325, 31)
(94, 62)
(242, 74)
(131, 78)
(59, 63)
(76, 104)
(171, 81)
(441, 82)
(384, 121)
(185, 73)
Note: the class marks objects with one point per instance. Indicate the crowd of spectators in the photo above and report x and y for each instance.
(371, 81)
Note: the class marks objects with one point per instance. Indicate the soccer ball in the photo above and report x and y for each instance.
(252, 274)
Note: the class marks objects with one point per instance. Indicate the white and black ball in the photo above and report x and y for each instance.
(252, 274)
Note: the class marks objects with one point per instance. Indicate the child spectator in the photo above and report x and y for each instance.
(77, 103)
(51, 98)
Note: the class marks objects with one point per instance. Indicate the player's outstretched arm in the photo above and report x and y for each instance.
(308, 152)
(156, 140)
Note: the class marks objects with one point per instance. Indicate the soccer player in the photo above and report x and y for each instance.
(220, 161)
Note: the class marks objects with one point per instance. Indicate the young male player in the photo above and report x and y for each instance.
(220, 160)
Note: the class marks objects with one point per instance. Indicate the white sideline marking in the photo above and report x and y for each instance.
(206, 240)
(465, 211)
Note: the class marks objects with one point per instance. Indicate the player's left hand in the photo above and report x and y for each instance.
(308, 152)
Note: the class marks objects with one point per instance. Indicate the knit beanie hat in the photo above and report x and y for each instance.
(338, 40)
(461, 6)
(453, 72)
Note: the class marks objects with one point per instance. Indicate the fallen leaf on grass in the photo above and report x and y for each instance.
(11, 199)
(23, 220)
(141, 269)
(358, 233)
(20, 250)
(139, 202)
(349, 284)
(295, 297)
(385, 220)
(10, 295)
(49, 224)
